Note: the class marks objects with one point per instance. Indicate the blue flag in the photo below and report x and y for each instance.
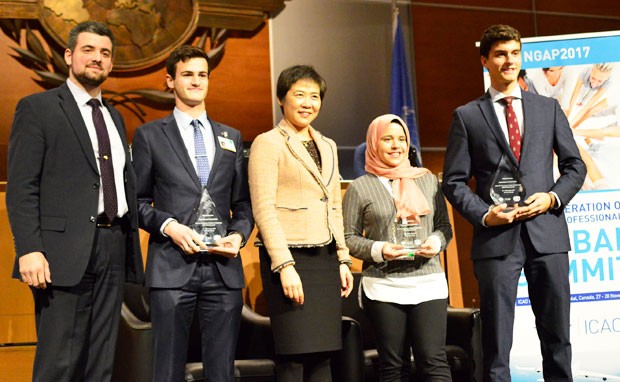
(401, 98)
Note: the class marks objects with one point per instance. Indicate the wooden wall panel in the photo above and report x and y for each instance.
(240, 88)
(16, 83)
(601, 9)
(17, 307)
(483, 5)
(550, 25)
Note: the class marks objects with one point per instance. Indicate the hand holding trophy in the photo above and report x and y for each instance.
(211, 229)
(409, 235)
(227, 246)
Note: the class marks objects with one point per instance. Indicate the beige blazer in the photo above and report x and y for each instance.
(294, 204)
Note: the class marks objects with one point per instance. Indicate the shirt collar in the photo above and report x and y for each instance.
(184, 120)
(80, 95)
(496, 95)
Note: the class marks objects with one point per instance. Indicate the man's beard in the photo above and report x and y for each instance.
(89, 82)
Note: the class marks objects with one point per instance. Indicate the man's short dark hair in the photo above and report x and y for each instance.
(182, 54)
(295, 73)
(496, 33)
(90, 27)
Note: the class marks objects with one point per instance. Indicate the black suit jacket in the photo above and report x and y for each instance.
(53, 187)
(476, 144)
(168, 187)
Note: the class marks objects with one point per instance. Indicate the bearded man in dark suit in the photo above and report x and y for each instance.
(72, 207)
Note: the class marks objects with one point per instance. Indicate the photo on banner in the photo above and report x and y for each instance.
(582, 72)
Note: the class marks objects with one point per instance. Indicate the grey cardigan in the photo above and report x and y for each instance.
(369, 209)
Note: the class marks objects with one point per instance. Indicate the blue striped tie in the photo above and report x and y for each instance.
(202, 160)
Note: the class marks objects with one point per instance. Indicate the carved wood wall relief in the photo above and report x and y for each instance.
(146, 32)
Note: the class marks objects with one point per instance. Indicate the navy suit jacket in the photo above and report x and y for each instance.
(168, 187)
(476, 144)
(53, 187)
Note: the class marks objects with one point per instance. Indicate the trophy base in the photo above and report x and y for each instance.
(211, 240)
(220, 252)
(411, 245)
(408, 257)
(209, 245)
(510, 207)
(408, 253)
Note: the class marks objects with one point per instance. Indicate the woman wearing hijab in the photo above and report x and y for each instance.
(403, 290)
(296, 201)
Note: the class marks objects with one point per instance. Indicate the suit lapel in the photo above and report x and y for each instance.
(328, 160)
(217, 132)
(299, 151)
(72, 111)
(486, 106)
(528, 121)
(171, 131)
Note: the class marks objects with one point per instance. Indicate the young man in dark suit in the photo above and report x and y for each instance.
(176, 158)
(528, 234)
(72, 206)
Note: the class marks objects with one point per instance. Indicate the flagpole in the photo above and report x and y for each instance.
(394, 17)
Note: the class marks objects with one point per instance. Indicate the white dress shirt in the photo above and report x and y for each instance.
(116, 145)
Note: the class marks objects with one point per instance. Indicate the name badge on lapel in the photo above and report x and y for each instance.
(227, 144)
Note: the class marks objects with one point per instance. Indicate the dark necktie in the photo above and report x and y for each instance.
(110, 202)
(514, 134)
(202, 160)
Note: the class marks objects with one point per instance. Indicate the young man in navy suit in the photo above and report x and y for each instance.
(75, 243)
(510, 237)
(175, 158)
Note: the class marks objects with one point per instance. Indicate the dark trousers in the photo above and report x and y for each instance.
(219, 314)
(308, 367)
(77, 326)
(399, 328)
(549, 292)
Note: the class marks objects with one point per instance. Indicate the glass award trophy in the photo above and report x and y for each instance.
(506, 186)
(208, 223)
(409, 235)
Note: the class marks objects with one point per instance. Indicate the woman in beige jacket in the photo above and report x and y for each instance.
(296, 200)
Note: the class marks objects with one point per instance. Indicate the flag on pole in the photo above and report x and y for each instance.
(401, 97)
